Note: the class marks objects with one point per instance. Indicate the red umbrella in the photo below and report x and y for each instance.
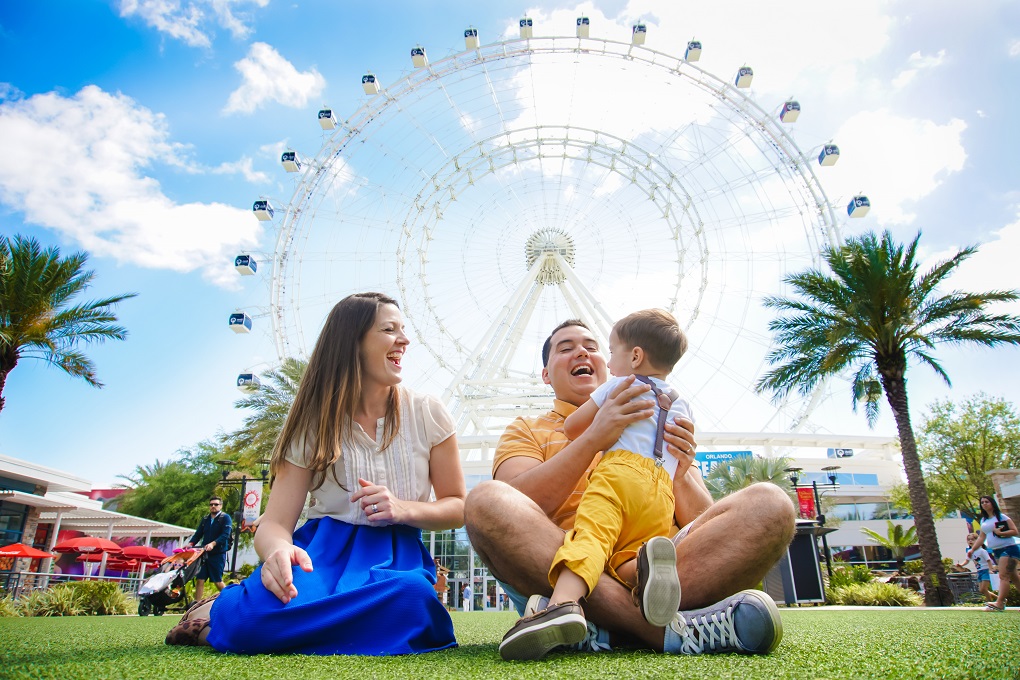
(87, 544)
(144, 552)
(122, 565)
(22, 550)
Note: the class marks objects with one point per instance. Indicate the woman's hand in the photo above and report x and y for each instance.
(277, 572)
(379, 505)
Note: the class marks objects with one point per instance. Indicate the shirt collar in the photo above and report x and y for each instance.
(563, 408)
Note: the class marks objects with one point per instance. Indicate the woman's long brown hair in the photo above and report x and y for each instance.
(330, 391)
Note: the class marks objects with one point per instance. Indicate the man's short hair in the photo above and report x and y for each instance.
(215, 498)
(657, 332)
(547, 347)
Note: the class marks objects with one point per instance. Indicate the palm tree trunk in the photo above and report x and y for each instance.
(931, 556)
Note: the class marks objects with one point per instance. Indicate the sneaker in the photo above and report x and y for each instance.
(658, 586)
(533, 637)
(596, 640)
(745, 623)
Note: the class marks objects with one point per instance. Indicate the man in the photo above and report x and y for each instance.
(466, 596)
(517, 521)
(214, 530)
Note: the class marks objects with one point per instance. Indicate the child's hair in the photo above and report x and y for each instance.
(330, 391)
(972, 536)
(995, 507)
(547, 347)
(657, 333)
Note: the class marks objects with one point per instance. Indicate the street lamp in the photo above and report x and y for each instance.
(240, 484)
(830, 472)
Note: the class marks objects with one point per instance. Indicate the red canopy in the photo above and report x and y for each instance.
(144, 552)
(87, 544)
(22, 550)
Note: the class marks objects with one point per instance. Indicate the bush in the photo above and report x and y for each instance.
(913, 567)
(875, 594)
(99, 598)
(9, 607)
(59, 600)
(848, 574)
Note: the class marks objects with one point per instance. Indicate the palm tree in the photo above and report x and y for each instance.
(873, 313)
(897, 540)
(269, 406)
(724, 479)
(37, 317)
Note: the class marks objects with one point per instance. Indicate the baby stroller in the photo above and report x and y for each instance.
(166, 587)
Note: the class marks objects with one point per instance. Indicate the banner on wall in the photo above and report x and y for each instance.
(252, 503)
(806, 501)
(706, 460)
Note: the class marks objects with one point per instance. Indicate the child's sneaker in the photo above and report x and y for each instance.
(532, 637)
(658, 587)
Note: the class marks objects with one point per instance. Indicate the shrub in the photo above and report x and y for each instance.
(913, 567)
(59, 600)
(875, 594)
(9, 607)
(845, 575)
(100, 597)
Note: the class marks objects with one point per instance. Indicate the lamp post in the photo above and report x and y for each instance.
(830, 471)
(240, 484)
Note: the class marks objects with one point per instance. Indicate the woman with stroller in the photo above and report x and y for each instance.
(355, 578)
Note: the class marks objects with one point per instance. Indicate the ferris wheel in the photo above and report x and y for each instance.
(507, 187)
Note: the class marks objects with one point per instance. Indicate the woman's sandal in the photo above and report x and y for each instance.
(992, 607)
(188, 631)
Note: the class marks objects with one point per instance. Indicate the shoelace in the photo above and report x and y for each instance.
(591, 643)
(707, 632)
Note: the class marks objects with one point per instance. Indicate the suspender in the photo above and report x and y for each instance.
(664, 400)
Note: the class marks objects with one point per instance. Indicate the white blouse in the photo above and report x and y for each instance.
(403, 467)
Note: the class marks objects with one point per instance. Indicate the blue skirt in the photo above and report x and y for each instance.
(371, 592)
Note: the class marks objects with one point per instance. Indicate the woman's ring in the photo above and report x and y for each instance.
(375, 508)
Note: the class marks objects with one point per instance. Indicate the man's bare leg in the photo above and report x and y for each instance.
(734, 543)
(731, 547)
(517, 542)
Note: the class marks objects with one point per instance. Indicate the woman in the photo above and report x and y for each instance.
(1000, 532)
(355, 578)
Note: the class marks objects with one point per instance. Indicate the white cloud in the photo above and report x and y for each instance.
(78, 165)
(895, 161)
(918, 62)
(993, 267)
(268, 77)
(189, 22)
(244, 168)
(1014, 48)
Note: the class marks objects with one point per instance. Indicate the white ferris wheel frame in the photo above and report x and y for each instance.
(482, 393)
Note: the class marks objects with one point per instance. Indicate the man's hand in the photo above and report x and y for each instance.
(679, 438)
(618, 412)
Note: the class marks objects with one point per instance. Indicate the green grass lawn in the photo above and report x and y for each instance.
(879, 643)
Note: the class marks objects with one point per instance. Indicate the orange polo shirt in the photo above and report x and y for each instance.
(542, 438)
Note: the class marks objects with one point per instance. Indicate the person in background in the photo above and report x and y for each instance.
(984, 566)
(213, 536)
(999, 532)
(466, 596)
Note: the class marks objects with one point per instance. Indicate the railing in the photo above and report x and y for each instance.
(17, 583)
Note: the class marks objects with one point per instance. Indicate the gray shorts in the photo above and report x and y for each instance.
(521, 601)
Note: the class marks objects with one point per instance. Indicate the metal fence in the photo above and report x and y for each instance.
(14, 584)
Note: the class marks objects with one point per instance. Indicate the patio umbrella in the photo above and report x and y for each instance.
(87, 544)
(22, 550)
(144, 552)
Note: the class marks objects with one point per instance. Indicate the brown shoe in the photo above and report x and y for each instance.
(188, 633)
(534, 636)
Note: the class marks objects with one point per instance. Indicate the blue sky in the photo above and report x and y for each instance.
(142, 130)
